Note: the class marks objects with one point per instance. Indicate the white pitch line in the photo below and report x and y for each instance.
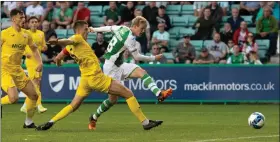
(238, 138)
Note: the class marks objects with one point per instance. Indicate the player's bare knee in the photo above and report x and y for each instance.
(113, 99)
(127, 93)
(142, 72)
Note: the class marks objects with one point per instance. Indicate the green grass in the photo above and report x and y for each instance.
(182, 123)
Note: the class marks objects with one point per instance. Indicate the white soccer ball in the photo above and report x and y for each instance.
(256, 120)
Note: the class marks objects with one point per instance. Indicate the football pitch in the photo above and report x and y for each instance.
(182, 123)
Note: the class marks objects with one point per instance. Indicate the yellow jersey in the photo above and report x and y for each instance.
(13, 47)
(82, 53)
(38, 38)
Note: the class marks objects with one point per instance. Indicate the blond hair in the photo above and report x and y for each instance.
(139, 21)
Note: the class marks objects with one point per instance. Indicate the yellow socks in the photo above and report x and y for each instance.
(5, 100)
(30, 107)
(63, 113)
(135, 108)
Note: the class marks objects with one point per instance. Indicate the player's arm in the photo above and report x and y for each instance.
(44, 45)
(58, 59)
(34, 49)
(103, 29)
(62, 42)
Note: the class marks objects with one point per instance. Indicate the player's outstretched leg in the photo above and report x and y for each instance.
(11, 97)
(32, 95)
(149, 83)
(75, 104)
(119, 90)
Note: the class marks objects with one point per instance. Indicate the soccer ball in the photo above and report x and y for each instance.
(256, 120)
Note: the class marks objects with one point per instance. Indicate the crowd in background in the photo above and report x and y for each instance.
(232, 43)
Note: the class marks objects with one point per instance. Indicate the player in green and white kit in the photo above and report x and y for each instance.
(124, 38)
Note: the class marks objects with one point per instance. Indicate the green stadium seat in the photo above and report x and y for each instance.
(74, 8)
(173, 43)
(263, 44)
(248, 19)
(197, 44)
(197, 53)
(252, 30)
(92, 36)
(191, 20)
(173, 9)
(5, 20)
(174, 33)
(262, 54)
(90, 41)
(179, 21)
(70, 32)
(187, 10)
(96, 21)
(186, 31)
(141, 7)
(207, 42)
(169, 55)
(95, 10)
(61, 33)
(224, 19)
(148, 54)
(235, 6)
(105, 7)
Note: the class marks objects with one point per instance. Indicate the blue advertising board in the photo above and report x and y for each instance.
(190, 83)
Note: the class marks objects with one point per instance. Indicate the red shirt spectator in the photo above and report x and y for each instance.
(81, 13)
(240, 34)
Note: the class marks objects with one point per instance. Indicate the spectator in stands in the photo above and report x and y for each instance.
(186, 3)
(81, 13)
(250, 44)
(49, 13)
(156, 51)
(249, 7)
(276, 11)
(100, 46)
(163, 18)
(161, 37)
(260, 11)
(184, 52)
(112, 13)
(35, 10)
(46, 28)
(52, 50)
(126, 24)
(108, 35)
(230, 47)
(227, 33)
(21, 6)
(240, 34)
(198, 8)
(218, 49)
(224, 6)
(235, 19)
(267, 28)
(237, 57)
(145, 38)
(150, 12)
(204, 58)
(204, 25)
(8, 6)
(216, 14)
(127, 58)
(127, 14)
(63, 16)
(254, 59)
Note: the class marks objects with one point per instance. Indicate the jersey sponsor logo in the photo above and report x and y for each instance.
(56, 81)
(19, 46)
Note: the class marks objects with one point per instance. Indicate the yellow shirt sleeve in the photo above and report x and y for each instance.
(76, 39)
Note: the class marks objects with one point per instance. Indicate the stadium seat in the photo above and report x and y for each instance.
(5, 20)
(191, 20)
(262, 54)
(95, 10)
(148, 54)
(186, 31)
(105, 7)
(235, 6)
(179, 21)
(74, 8)
(248, 19)
(263, 44)
(224, 19)
(169, 55)
(174, 33)
(92, 36)
(70, 32)
(197, 53)
(172, 44)
(173, 9)
(61, 33)
(252, 30)
(187, 10)
(140, 7)
(206, 42)
(96, 21)
(197, 44)
(90, 41)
